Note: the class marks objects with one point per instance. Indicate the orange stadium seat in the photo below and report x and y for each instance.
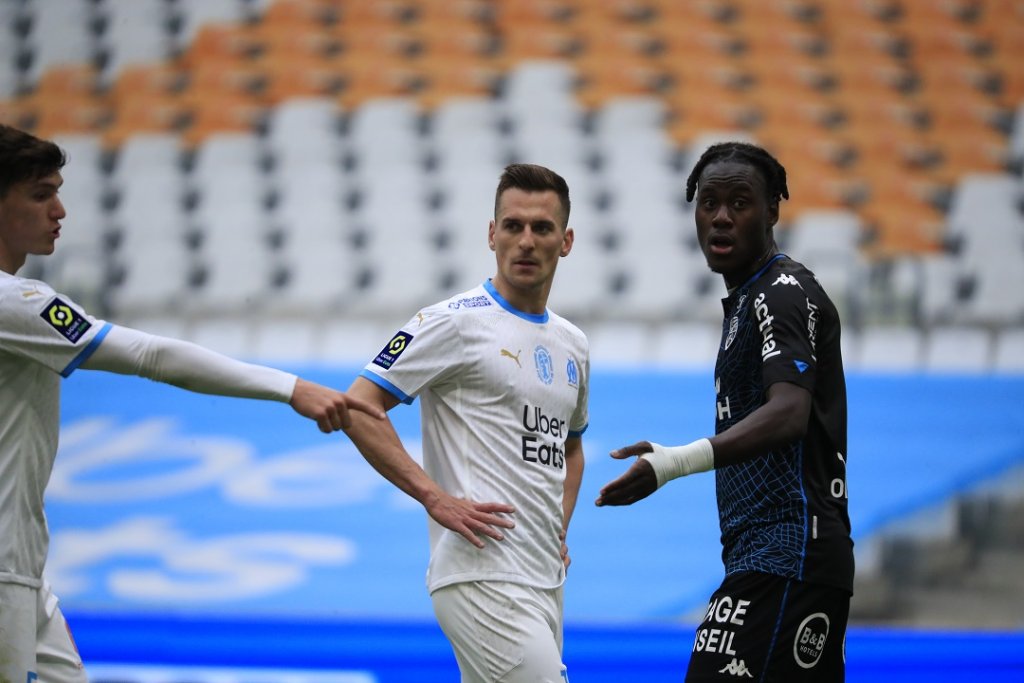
(299, 75)
(538, 41)
(140, 79)
(366, 77)
(274, 39)
(58, 114)
(68, 79)
(220, 112)
(146, 113)
(298, 13)
(605, 77)
(222, 41)
(531, 12)
(227, 75)
(453, 38)
(441, 78)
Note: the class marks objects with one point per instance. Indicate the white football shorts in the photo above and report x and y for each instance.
(35, 642)
(503, 631)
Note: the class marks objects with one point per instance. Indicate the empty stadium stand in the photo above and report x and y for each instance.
(289, 180)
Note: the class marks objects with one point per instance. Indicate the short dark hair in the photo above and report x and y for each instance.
(24, 157)
(771, 170)
(533, 178)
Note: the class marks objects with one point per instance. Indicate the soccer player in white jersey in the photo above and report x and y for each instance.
(45, 336)
(502, 383)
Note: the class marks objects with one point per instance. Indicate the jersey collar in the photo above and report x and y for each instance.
(531, 317)
(758, 274)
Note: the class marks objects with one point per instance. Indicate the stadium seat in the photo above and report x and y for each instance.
(233, 337)
(940, 284)
(958, 349)
(59, 35)
(617, 345)
(685, 345)
(889, 349)
(134, 34)
(984, 215)
(285, 340)
(1008, 355)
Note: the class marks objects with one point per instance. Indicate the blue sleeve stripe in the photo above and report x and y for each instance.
(388, 387)
(87, 351)
(574, 434)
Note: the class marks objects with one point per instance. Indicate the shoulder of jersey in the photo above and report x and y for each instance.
(25, 289)
(473, 300)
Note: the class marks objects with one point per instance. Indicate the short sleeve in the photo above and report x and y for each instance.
(785, 317)
(423, 352)
(46, 327)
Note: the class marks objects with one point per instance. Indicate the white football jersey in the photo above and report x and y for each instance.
(43, 336)
(500, 391)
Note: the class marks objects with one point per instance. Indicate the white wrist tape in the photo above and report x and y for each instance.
(671, 462)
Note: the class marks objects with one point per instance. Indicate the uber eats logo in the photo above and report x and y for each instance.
(544, 440)
(65, 320)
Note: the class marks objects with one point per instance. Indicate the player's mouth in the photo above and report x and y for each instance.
(720, 244)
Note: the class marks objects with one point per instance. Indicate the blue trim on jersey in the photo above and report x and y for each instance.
(759, 273)
(807, 516)
(388, 387)
(775, 633)
(531, 317)
(576, 434)
(87, 351)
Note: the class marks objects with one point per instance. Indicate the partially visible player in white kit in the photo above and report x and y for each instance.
(45, 336)
(502, 383)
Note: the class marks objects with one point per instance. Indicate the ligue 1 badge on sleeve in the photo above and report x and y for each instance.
(65, 320)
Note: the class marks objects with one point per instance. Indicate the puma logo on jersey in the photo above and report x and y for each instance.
(513, 356)
(32, 293)
(736, 668)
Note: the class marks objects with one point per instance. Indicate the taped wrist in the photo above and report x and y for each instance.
(671, 462)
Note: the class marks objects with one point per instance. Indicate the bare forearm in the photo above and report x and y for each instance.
(380, 445)
(573, 479)
(781, 420)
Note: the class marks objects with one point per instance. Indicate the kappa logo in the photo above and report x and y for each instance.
(785, 279)
(737, 667)
(505, 353)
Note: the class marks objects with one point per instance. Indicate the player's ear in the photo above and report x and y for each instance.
(567, 240)
(490, 236)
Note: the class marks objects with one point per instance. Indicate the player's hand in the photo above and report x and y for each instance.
(329, 408)
(566, 560)
(471, 519)
(637, 483)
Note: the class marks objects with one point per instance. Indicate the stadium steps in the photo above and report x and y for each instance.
(971, 579)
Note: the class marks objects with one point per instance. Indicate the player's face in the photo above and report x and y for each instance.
(734, 220)
(30, 215)
(528, 236)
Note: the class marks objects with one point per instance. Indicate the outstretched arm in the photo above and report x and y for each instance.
(194, 368)
(380, 445)
(782, 419)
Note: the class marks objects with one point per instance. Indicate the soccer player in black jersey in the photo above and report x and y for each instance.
(779, 449)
